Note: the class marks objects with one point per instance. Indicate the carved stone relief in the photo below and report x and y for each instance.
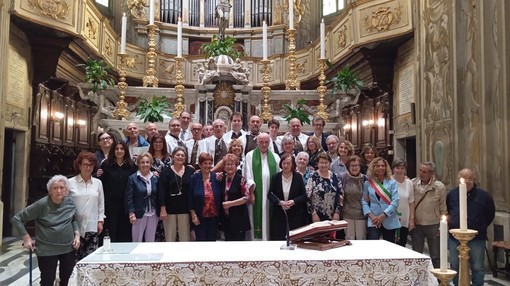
(55, 9)
(381, 19)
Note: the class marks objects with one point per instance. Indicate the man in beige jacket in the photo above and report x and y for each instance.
(430, 199)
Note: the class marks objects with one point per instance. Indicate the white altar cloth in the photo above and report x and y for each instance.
(254, 263)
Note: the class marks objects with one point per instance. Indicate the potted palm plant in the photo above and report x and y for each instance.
(97, 74)
(297, 112)
(153, 110)
(346, 82)
(219, 47)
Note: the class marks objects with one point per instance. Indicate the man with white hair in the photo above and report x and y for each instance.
(134, 139)
(215, 145)
(172, 137)
(151, 129)
(259, 166)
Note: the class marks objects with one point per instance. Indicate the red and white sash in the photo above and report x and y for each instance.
(381, 191)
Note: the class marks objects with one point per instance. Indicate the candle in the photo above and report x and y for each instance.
(179, 38)
(151, 12)
(291, 14)
(463, 204)
(264, 40)
(443, 244)
(323, 40)
(123, 34)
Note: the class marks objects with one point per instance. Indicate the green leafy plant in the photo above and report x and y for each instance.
(221, 47)
(297, 112)
(154, 109)
(346, 80)
(96, 73)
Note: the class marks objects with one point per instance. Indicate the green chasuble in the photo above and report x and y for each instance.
(257, 177)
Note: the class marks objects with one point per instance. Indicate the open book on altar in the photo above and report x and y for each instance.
(316, 235)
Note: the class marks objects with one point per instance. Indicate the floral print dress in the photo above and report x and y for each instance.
(323, 195)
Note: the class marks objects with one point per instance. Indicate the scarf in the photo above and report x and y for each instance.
(257, 176)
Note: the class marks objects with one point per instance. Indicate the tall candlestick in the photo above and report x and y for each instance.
(291, 14)
(179, 38)
(264, 40)
(443, 244)
(463, 204)
(323, 40)
(123, 34)
(151, 12)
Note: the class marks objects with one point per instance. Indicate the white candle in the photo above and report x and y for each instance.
(151, 12)
(323, 40)
(179, 38)
(443, 244)
(264, 40)
(463, 204)
(291, 14)
(123, 34)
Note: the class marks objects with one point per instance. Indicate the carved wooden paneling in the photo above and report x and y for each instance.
(83, 126)
(57, 123)
(42, 115)
(69, 122)
(91, 27)
(59, 14)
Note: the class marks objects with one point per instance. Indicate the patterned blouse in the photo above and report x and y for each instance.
(209, 202)
(323, 195)
(158, 165)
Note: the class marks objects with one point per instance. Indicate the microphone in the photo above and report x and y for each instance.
(286, 246)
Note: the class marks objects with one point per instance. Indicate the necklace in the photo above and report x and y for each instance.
(178, 183)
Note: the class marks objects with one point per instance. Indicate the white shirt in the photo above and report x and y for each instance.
(185, 134)
(227, 137)
(248, 174)
(406, 195)
(201, 148)
(210, 145)
(89, 200)
(171, 142)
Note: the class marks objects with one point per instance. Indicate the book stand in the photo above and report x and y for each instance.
(316, 235)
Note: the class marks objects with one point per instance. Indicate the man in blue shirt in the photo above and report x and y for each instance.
(480, 214)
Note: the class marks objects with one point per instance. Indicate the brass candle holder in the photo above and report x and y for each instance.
(266, 114)
(121, 111)
(179, 87)
(292, 82)
(464, 237)
(321, 109)
(444, 276)
(150, 78)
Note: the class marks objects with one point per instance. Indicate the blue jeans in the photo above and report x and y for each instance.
(476, 260)
(374, 233)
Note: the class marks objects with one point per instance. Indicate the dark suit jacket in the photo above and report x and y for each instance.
(296, 214)
(323, 140)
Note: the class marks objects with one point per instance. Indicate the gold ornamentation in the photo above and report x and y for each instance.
(131, 62)
(445, 277)
(224, 95)
(464, 237)
(92, 28)
(179, 87)
(56, 9)
(277, 19)
(382, 18)
(108, 47)
(292, 82)
(300, 67)
(150, 77)
(299, 10)
(138, 10)
(321, 89)
(266, 90)
(342, 37)
(121, 112)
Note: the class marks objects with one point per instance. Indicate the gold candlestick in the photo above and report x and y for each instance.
(179, 87)
(322, 92)
(444, 276)
(150, 74)
(121, 111)
(266, 114)
(292, 82)
(464, 237)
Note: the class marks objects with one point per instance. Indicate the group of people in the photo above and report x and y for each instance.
(192, 182)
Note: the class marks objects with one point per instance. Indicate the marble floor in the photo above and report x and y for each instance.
(14, 267)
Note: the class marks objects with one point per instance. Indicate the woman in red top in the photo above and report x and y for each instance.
(204, 200)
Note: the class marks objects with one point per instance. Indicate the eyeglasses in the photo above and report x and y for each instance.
(175, 125)
(102, 139)
(354, 166)
(196, 129)
(318, 125)
(86, 165)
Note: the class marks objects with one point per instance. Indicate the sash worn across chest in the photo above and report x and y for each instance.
(381, 191)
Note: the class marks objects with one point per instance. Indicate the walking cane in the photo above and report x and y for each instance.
(30, 266)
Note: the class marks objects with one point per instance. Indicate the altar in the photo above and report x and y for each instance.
(254, 263)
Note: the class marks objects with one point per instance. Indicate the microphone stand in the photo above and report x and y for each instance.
(288, 245)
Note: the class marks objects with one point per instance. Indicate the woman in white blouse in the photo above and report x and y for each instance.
(406, 205)
(87, 194)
